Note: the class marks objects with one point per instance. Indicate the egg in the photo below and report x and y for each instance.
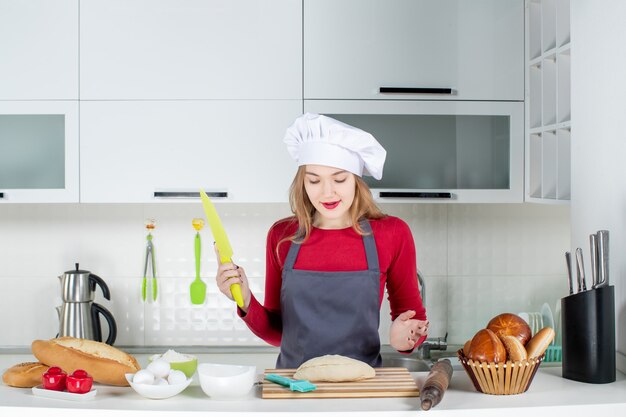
(176, 377)
(159, 368)
(143, 376)
(161, 381)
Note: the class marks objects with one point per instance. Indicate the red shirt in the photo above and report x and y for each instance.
(339, 250)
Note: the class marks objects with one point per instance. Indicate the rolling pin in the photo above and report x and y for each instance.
(436, 384)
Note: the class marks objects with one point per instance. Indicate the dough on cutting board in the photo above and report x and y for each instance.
(334, 368)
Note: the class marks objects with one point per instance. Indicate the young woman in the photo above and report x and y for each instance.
(328, 265)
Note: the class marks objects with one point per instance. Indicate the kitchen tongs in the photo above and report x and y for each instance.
(150, 225)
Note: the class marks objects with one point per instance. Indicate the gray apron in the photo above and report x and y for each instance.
(330, 313)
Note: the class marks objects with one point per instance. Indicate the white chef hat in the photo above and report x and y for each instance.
(320, 140)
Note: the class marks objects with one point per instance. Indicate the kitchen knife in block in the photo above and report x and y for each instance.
(221, 241)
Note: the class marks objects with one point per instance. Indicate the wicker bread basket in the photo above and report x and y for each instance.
(501, 378)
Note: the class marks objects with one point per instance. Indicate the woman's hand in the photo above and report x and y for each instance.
(405, 332)
(228, 274)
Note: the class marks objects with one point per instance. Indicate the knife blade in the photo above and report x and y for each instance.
(603, 258)
(221, 241)
(580, 270)
(593, 247)
(568, 262)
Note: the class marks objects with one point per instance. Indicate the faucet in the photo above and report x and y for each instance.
(423, 350)
(422, 286)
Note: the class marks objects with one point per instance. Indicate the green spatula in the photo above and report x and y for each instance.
(197, 289)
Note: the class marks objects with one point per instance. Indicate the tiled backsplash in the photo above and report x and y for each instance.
(478, 260)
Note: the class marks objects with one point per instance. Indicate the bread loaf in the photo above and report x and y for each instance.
(487, 347)
(334, 368)
(24, 375)
(515, 351)
(508, 324)
(106, 364)
(540, 342)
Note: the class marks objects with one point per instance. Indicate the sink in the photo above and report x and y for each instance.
(412, 364)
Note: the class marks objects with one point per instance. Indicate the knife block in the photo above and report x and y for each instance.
(588, 335)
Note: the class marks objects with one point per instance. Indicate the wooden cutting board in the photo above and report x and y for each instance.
(388, 382)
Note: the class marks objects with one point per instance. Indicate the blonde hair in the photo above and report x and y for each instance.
(363, 207)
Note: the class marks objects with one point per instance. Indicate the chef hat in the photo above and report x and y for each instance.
(319, 140)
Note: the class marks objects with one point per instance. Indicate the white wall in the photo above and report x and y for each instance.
(478, 260)
(599, 138)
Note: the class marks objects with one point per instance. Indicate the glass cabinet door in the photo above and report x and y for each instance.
(38, 151)
(454, 151)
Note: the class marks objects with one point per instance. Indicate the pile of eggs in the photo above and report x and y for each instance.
(159, 372)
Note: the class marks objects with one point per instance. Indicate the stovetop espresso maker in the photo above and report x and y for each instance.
(79, 316)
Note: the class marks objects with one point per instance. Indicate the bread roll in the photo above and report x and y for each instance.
(466, 348)
(24, 375)
(540, 342)
(487, 347)
(334, 368)
(515, 351)
(508, 324)
(106, 364)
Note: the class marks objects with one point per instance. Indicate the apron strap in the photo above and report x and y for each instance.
(368, 241)
(370, 246)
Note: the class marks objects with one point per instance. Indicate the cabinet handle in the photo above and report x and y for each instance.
(1, 195)
(417, 90)
(189, 194)
(413, 194)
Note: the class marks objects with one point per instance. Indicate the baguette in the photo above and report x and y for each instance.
(106, 364)
(24, 375)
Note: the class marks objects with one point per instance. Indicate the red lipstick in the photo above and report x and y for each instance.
(330, 206)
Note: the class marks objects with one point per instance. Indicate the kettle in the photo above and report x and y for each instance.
(79, 316)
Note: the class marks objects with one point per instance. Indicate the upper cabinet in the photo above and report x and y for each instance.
(196, 49)
(38, 151)
(38, 50)
(137, 151)
(414, 49)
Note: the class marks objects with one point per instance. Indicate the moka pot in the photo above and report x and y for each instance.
(79, 316)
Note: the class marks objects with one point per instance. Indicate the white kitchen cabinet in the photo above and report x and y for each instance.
(38, 49)
(133, 151)
(353, 48)
(38, 151)
(548, 102)
(441, 151)
(196, 49)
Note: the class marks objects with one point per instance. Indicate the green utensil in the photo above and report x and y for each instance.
(197, 289)
(150, 225)
(292, 384)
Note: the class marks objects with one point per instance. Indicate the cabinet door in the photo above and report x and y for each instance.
(131, 150)
(352, 48)
(196, 49)
(38, 151)
(441, 151)
(38, 49)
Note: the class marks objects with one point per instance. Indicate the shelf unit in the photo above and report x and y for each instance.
(548, 101)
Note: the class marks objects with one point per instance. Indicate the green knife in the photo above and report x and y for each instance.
(221, 241)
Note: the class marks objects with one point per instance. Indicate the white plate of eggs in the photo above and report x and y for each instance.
(158, 381)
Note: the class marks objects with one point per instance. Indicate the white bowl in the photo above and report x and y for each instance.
(226, 381)
(157, 392)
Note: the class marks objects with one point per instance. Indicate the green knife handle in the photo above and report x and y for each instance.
(198, 247)
(143, 288)
(154, 289)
